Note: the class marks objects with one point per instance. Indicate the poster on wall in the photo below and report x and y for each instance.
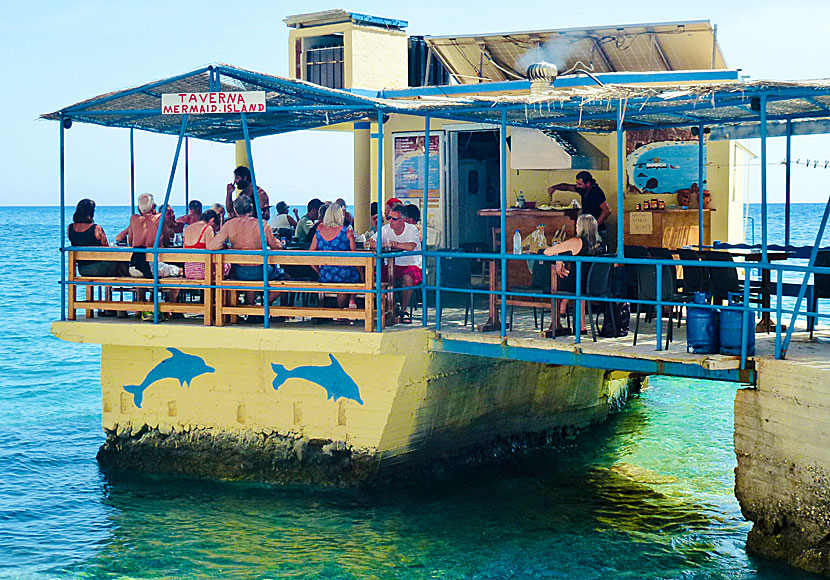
(664, 162)
(409, 168)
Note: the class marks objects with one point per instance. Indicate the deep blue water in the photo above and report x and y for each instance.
(647, 495)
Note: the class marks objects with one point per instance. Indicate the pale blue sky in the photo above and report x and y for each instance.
(58, 53)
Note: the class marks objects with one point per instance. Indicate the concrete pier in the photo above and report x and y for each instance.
(328, 407)
(782, 441)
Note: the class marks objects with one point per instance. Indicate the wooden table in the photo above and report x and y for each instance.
(518, 274)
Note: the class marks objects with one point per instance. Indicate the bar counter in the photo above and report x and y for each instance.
(666, 228)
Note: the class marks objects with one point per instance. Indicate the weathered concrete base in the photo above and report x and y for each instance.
(325, 407)
(269, 458)
(782, 441)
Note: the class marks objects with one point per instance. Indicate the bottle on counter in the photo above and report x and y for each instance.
(517, 242)
(637, 207)
(662, 204)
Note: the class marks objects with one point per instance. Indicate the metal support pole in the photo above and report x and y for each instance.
(132, 171)
(779, 291)
(658, 308)
(700, 186)
(64, 287)
(620, 179)
(746, 328)
(266, 303)
(438, 293)
(379, 244)
(186, 175)
(160, 228)
(503, 222)
(764, 258)
(806, 280)
(787, 185)
(577, 306)
(424, 229)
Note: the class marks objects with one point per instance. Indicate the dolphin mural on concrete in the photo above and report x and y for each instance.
(182, 367)
(331, 377)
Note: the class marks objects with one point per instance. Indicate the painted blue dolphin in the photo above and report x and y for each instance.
(182, 367)
(331, 377)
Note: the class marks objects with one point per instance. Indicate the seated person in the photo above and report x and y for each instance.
(412, 215)
(332, 235)
(83, 231)
(198, 237)
(220, 216)
(243, 233)
(283, 221)
(348, 219)
(586, 243)
(373, 211)
(141, 233)
(305, 223)
(387, 209)
(243, 182)
(400, 236)
(194, 214)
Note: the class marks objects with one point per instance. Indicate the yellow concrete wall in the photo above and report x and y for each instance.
(373, 58)
(415, 402)
(377, 58)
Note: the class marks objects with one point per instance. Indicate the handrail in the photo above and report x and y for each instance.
(779, 310)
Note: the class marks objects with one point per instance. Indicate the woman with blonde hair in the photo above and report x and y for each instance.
(586, 243)
(333, 236)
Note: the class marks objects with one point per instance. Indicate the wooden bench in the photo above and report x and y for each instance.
(226, 302)
(170, 257)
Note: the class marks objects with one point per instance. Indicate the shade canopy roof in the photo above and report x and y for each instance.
(291, 105)
(671, 46)
(295, 105)
(806, 104)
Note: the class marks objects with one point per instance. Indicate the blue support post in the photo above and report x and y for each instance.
(658, 308)
(577, 306)
(186, 175)
(132, 172)
(779, 290)
(620, 179)
(438, 293)
(379, 244)
(700, 186)
(424, 228)
(266, 305)
(160, 228)
(746, 328)
(64, 288)
(503, 221)
(806, 280)
(764, 258)
(787, 208)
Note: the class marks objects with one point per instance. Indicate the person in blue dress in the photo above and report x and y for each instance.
(333, 236)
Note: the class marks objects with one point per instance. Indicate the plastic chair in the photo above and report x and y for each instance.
(598, 286)
(647, 290)
(457, 273)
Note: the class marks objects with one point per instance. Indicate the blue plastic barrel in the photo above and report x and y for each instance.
(702, 327)
(731, 323)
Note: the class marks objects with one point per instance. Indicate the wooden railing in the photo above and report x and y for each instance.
(220, 303)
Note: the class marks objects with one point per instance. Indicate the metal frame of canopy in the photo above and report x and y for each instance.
(761, 104)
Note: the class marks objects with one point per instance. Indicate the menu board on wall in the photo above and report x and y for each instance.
(410, 169)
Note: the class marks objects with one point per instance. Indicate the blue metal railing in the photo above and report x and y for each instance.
(750, 312)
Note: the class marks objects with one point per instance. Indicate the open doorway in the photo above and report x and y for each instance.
(473, 165)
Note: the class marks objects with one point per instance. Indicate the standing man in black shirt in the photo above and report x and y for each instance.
(593, 199)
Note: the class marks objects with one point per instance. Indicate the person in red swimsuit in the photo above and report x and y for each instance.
(197, 235)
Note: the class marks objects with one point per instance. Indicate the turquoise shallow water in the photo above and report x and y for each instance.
(648, 495)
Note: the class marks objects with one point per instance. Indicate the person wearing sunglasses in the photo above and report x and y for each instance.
(400, 236)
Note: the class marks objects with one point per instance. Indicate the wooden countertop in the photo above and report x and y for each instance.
(676, 209)
(495, 212)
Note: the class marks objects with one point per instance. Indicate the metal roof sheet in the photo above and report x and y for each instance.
(689, 45)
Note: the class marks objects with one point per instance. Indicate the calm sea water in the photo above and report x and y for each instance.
(647, 495)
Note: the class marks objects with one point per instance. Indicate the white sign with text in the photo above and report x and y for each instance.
(213, 103)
